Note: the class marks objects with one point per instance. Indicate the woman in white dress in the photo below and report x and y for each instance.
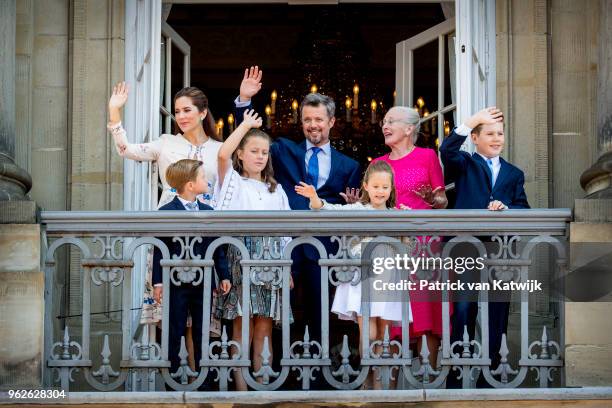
(198, 140)
(378, 193)
(246, 182)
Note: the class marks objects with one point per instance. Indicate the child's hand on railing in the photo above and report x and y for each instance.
(225, 286)
(157, 294)
(497, 206)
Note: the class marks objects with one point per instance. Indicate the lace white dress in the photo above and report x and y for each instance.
(347, 300)
(241, 193)
(166, 150)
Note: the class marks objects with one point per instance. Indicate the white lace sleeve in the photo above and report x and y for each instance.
(354, 206)
(135, 151)
(226, 196)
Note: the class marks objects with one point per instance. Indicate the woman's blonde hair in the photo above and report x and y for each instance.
(267, 173)
(379, 166)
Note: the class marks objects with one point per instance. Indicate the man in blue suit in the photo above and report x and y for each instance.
(337, 178)
(482, 180)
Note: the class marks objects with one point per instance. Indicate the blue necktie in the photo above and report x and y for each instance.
(490, 163)
(313, 167)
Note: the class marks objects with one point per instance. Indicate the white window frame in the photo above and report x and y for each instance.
(404, 71)
(141, 122)
(475, 53)
(172, 39)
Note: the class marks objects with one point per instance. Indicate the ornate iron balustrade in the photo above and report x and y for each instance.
(108, 241)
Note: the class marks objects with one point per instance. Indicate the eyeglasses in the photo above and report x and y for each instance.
(390, 122)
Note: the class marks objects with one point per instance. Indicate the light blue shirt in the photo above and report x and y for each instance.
(496, 165)
(324, 157)
(185, 202)
(240, 104)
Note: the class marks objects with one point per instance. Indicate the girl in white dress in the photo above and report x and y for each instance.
(198, 140)
(378, 193)
(246, 182)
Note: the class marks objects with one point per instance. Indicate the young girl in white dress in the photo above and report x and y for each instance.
(378, 193)
(246, 182)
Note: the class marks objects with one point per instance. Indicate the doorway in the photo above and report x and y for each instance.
(346, 51)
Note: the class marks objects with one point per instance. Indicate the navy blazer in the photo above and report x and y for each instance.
(473, 178)
(221, 266)
(288, 161)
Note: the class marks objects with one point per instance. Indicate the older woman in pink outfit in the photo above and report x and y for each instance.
(420, 185)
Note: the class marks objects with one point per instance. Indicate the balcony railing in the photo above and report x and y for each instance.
(107, 254)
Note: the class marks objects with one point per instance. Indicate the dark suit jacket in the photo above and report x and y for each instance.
(288, 161)
(473, 178)
(200, 248)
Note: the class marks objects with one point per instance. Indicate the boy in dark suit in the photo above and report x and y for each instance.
(483, 180)
(188, 178)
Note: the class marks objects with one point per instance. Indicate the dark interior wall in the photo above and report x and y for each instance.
(227, 38)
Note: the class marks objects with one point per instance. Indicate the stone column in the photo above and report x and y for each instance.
(21, 280)
(14, 181)
(597, 180)
(588, 347)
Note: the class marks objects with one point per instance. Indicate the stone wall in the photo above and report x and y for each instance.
(574, 58)
(21, 307)
(41, 98)
(522, 49)
(97, 56)
(69, 53)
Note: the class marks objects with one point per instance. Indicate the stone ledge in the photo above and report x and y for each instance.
(593, 210)
(19, 212)
(540, 397)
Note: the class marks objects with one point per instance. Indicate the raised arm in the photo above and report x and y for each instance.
(249, 87)
(450, 151)
(224, 157)
(134, 151)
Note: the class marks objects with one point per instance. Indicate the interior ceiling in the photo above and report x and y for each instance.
(225, 39)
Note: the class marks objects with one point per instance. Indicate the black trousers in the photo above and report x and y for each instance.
(186, 299)
(464, 314)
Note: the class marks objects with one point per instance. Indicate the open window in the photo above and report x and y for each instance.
(465, 46)
(440, 40)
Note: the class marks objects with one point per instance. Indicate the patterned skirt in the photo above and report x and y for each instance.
(265, 296)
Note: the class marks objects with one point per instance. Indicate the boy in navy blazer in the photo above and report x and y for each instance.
(187, 177)
(482, 180)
